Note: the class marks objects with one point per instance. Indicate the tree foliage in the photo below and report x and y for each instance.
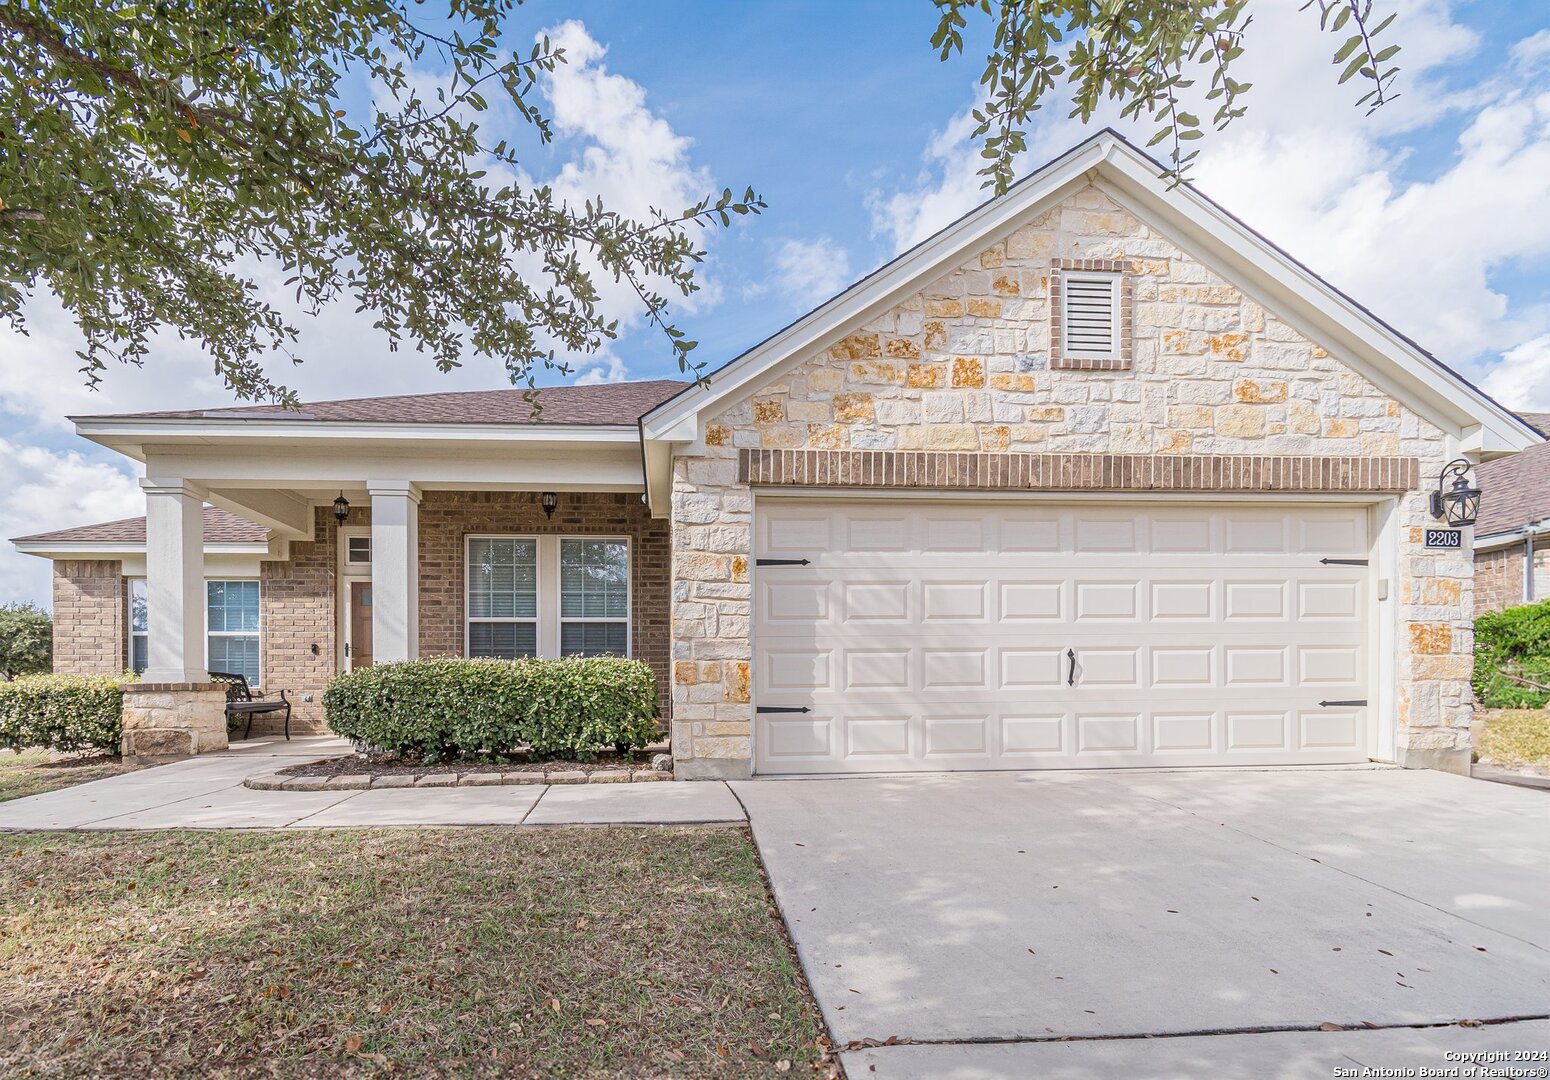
(1142, 53)
(151, 154)
(26, 640)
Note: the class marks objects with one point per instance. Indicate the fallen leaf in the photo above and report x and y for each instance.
(596, 1022)
(1329, 1025)
(352, 1044)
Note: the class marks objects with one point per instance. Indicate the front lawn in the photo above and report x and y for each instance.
(470, 952)
(33, 772)
(1515, 737)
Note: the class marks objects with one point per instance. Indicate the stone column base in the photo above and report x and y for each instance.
(166, 721)
(712, 769)
(1443, 759)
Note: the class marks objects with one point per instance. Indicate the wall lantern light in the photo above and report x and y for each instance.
(1456, 503)
(550, 502)
(341, 508)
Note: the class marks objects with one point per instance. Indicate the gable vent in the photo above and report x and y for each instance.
(1090, 315)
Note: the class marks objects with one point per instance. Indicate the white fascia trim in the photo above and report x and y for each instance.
(75, 549)
(1516, 536)
(671, 419)
(94, 428)
(1482, 425)
(1196, 212)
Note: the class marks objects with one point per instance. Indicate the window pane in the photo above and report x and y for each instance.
(594, 639)
(594, 579)
(139, 617)
(508, 641)
(358, 549)
(138, 644)
(232, 606)
(502, 579)
(238, 655)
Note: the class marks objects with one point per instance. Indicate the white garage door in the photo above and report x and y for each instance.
(940, 636)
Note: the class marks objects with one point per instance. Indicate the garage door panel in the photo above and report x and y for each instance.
(934, 637)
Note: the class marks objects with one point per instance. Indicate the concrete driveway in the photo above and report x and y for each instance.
(986, 915)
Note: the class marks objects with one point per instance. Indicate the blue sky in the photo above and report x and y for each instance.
(1431, 212)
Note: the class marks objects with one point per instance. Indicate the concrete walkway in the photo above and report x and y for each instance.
(1138, 914)
(207, 793)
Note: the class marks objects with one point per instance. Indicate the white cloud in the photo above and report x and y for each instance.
(49, 491)
(1532, 51)
(1319, 177)
(1522, 379)
(811, 270)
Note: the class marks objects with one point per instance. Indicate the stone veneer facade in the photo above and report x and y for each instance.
(963, 366)
(299, 606)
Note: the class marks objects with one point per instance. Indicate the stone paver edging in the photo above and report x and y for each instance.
(362, 781)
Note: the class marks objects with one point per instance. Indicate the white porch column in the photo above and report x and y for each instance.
(174, 581)
(395, 569)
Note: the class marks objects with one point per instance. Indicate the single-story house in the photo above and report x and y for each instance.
(1512, 537)
(1095, 477)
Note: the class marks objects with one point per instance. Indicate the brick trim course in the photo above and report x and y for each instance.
(1076, 472)
(1057, 358)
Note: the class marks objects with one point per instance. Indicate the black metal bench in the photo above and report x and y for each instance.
(240, 701)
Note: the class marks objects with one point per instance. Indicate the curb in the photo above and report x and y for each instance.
(369, 781)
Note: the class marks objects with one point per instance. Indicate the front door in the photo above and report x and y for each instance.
(358, 648)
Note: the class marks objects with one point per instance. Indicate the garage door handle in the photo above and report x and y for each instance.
(1071, 674)
(1347, 704)
(783, 709)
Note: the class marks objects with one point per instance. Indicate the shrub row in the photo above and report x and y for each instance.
(445, 708)
(63, 712)
(1514, 642)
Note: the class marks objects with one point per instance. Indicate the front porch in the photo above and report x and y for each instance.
(385, 546)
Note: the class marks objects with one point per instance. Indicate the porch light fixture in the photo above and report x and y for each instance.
(341, 508)
(550, 502)
(1457, 503)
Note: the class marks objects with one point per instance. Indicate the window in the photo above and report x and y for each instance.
(139, 626)
(231, 625)
(594, 597)
(357, 550)
(503, 597)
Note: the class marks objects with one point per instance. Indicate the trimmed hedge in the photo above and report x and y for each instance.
(448, 708)
(63, 712)
(1515, 641)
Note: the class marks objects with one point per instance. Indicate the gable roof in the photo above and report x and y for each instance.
(1515, 491)
(596, 405)
(1135, 181)
(220, 527)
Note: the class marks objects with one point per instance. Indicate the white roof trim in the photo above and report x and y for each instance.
(97, 428)
(77, 549)
(1246, 258)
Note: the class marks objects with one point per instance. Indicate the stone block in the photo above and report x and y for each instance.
(348, 782)
(565, 776)
(436, 779)
(392, 780)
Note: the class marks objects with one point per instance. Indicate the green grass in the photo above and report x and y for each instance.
(33, 772)
(472, 952)
(1515, 737)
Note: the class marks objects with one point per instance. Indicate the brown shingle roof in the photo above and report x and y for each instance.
(604, 404)
(1515, 490)
(221, 527)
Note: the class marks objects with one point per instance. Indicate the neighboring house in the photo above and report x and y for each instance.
(1512, 537)
(1094, 477)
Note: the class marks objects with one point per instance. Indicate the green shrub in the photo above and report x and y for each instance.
(1512, 642)
(446, 708)
(63, 712)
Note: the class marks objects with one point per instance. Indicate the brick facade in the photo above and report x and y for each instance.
(447, 517)
(963, 366)
(90, 613)
(299, 604)
(1498, 578)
